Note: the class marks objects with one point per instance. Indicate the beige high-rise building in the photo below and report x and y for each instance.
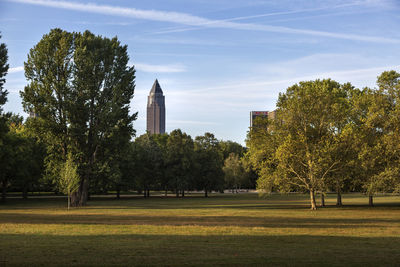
(156, 110)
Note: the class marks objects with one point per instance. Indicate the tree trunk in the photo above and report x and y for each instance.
(144, 193)
(322, 199)
(4, 191)
(69, 201)
(183, 193)
(371, 200)
(79, 198)
(25, 192)
(118, 193)
(148, 192)
(166, 192)
(205, 193)
(177, 193)
(339, 198)
(312, 198)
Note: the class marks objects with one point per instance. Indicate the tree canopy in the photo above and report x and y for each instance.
(80, 88)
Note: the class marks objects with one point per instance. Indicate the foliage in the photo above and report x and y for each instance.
(179, 161)
(148, 162)
(235, 174)
(3, 72)
(69, 178)
(3, 93)
(228, 147)
(379, 135)
(21, 158)
(209, 162)
(80, 87)
(304, 140)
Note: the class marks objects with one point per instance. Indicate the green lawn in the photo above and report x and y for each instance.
(225, 229)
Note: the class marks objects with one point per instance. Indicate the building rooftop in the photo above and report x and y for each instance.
(156, 89)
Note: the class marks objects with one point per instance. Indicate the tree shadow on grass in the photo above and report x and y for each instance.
(162, 220)
(195, 250)
(244, 202)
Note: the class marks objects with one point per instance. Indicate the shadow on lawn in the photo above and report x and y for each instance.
(177, 250)
(239, 221)
(214, 203)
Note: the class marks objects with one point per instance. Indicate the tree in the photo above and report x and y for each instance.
(235, 175)
(80, 87)
(30, 157)
(69, 179)
(162, 141)
(179, 161)
(3, 72)
(298, 149)
(9, 160)
(21, 157)
(208, 164)
(148, 163)
(379, 136)
(228, 147)
(3, 93)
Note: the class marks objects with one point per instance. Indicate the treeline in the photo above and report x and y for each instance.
(152, 162)
(328, 137)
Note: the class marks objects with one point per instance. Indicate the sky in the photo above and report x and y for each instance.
(217, 60)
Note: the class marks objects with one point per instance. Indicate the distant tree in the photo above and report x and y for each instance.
(9, 160)
(69, 178)
(21, 157)
(208, 164)
(162, 141)
(80, 87)
(235, 174)
(299, 149)
(179, 161)
(228, 147)
(148, 163)
(31, 157)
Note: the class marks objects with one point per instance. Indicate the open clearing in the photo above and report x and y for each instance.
(225, 229)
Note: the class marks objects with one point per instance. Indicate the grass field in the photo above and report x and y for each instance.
(225, 229)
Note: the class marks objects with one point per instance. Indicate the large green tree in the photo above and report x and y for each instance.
(379, 136)
(80, 87)
(299, 149)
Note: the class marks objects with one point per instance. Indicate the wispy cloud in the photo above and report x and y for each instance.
(183, 122)
(16, 69)
(191, 20)
(170, 68)
(180, 41)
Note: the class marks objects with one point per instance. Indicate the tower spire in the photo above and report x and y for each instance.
(156, 110)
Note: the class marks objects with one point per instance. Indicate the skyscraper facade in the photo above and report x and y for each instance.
(156, 110)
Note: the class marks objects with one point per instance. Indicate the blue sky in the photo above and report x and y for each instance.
(218, 60)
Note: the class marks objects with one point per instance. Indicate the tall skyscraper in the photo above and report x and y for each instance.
(156, 110)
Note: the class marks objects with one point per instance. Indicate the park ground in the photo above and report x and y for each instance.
(224, 229)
